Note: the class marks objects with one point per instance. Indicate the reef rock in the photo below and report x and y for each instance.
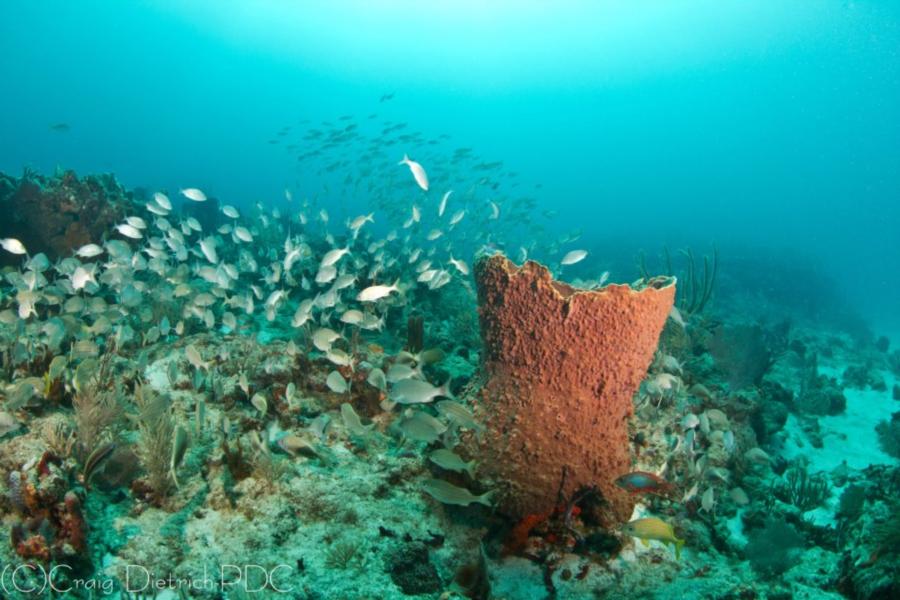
(561, 367)
(61, 213)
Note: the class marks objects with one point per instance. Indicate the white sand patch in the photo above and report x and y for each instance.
(156, 373)
(848, 437)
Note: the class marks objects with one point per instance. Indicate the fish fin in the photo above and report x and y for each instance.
(445, 390)
(679, 544)
(485, 498)
(470, 468)
(405, 159)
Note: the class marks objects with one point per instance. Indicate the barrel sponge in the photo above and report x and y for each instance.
(561, 366)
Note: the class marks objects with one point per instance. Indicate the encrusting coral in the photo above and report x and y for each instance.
(561, 367)
(57, 214)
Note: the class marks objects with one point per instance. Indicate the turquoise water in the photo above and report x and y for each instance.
(216, 384)
(767, 127)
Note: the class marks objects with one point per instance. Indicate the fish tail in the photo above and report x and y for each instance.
(405, 159)
(470, 468)
(679, 544)
(485, 499)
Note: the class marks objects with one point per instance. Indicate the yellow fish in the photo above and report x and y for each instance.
(652, 528)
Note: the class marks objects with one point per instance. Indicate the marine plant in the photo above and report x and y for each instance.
(156, 428)
(773, 548)
(803, 490)
(694, 291)
(59, 437)
(742, 352)
(341, 554)
(268, 467)
(852, 501)
(97, 405)
(886, 534)
(889, 435)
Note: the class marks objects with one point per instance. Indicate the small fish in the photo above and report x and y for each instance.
(604, 277)
(336, 383)
(399, 372)
(89, 251)
(447, 459)
(136, 222)
(298, 444)
(361, 220)
(352, 422)
(194, 358)
(691, 493)
(675, 315)
(229, 320)
(12, 245)
(333, 256)
(230, 211)
(458, 414)
(457, 217)
(690, 421)
(728, 441)
(243, 234)
(208, 247)
(641, 482)
(757, 456)
(447, 493)
(259, 403)
(417, 170)
(573, 257)
(377, 379)
(324, 337)
(443, 205)
(180, 445)
(162, 200)
(416, 391)
(739, 496)
(651, 528)
(8, 423)
(326, 274)
(339, 357)
(352, 317)
(460, 265)
(708, 500)
(81, 277)
(377, 292)
(193, 194)
(344, 281)
(704, 423)
(97, 457)
(129, 231)
(421, 427)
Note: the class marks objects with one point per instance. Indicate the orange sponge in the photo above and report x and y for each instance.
(561, 367)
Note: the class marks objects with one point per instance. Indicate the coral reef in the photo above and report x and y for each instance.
(48, 522)
(58, 214)
(561, 367)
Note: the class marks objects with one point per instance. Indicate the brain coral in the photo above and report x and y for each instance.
(561, 367)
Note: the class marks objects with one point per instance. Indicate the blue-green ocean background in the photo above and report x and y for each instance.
(769, 128)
